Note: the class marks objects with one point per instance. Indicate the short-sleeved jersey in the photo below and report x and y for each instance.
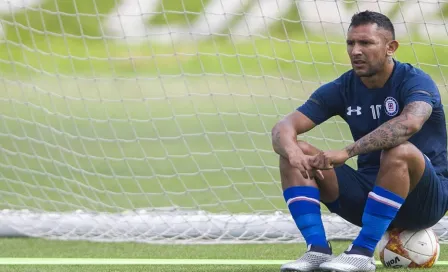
(366, 109)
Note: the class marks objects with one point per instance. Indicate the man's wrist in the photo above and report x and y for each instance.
(350, 151)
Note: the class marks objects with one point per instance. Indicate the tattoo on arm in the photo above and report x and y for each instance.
(385, 136)
(277, 144)
(276, 139)
(395, 131)
(419, 109)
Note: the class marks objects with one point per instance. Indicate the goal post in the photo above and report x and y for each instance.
(150, 120)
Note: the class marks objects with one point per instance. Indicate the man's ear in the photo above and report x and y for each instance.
(392, 46)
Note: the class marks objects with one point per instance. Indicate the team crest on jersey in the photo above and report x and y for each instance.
(391, 106)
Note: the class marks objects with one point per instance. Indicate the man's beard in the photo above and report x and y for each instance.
(371, 70)
(368, 73)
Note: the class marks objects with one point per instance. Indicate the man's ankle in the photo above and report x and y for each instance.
(359, 251)
(321, 249)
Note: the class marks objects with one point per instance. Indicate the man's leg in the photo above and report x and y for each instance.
(426, 204)
(400, 171)
(303, 196)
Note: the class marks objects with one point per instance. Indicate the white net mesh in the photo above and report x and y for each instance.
(150, 120)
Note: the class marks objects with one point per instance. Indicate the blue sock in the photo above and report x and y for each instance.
(303, 203)
(381, 208)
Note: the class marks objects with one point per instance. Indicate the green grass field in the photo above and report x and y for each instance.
(94, 125)
(58, 249)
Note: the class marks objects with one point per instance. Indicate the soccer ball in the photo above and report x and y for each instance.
(409, 249)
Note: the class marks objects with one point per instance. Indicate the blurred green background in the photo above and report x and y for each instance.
(93, 123)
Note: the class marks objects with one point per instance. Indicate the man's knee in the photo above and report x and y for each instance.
(406, 159)
(402, 153)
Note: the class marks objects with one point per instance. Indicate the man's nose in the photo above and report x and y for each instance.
(356, 50)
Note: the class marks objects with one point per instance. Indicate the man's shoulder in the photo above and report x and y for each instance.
(412, 82)
(408, 71)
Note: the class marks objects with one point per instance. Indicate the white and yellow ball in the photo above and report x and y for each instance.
(409, 249)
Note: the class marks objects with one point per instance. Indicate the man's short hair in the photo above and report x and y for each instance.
(372, 17)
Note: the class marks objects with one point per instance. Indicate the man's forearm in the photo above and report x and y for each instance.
(394, 132)
(390, 134)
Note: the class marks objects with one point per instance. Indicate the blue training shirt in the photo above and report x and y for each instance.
(366, 109)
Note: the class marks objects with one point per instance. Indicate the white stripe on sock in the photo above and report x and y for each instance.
(384, 200)
(302, 198)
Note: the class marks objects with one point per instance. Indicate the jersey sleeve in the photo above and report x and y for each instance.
(421, 88)
(324, 103)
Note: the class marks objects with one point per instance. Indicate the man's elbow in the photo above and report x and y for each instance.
(413, 128)
(279, 130)
(275, 132)
(277, 127)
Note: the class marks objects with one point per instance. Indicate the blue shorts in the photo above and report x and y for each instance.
(423, 207)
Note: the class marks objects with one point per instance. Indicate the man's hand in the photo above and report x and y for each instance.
(302, 162)
(329, 159)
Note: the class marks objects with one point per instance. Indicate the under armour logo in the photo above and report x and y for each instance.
(358, 110)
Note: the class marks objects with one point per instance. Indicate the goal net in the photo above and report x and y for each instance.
(150, 120)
